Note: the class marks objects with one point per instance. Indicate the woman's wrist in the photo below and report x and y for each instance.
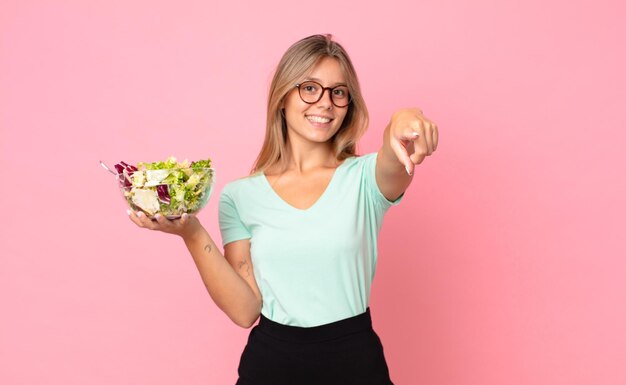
(195, 233)
(191, 229)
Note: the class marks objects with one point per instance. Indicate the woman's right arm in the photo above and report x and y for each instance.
(229, 278)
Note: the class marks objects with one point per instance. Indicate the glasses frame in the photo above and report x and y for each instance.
(330, 92)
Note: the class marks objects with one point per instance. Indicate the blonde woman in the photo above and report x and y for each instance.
(300, 233)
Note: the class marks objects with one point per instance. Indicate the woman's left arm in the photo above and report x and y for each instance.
(408, 139)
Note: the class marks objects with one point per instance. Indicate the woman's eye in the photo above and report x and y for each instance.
(309, 88)
(340, 92)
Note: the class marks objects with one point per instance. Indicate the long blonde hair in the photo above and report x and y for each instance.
(299, 59)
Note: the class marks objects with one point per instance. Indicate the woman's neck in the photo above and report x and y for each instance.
(302, 159)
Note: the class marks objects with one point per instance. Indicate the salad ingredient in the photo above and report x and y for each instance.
(167, 187)
(127, 170)
(146, 200)
(163, 193)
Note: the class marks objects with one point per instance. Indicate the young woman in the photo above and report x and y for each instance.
(300, 233)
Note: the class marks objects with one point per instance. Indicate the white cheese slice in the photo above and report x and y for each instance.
(147, 200)
(154, 177)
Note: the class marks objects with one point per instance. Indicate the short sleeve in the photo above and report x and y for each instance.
(372, 186)
(231, 226)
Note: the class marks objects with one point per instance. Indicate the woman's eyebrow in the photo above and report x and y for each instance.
(320, 81)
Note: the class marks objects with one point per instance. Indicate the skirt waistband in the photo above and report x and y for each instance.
(358, 323)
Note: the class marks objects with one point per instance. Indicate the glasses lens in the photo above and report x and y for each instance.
(310, 92)
(340, 96)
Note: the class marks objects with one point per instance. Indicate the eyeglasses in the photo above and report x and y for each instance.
(311, 92)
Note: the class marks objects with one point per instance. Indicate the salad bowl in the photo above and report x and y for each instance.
(167, 188)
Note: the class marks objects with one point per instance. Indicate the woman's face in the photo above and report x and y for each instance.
(317, 122)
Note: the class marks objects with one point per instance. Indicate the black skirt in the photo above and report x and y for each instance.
(343, 352)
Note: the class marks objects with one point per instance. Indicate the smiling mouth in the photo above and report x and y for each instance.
(318, 119)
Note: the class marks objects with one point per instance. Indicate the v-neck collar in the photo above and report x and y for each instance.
(319, 200)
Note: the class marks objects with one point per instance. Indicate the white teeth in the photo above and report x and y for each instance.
(318, 119)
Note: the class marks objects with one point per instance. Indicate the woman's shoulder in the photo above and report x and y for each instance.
(366, 157)
(245, 182)
(358, 161)
(358, 167)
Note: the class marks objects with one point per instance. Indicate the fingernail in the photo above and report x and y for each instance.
(416, 134)
(128, 211)
(139, 214)
(157, 216)
(407, 170)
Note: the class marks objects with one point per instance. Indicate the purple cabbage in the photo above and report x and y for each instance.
(164, 195)
(130, 169)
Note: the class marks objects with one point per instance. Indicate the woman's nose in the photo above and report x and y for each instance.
(326, 99)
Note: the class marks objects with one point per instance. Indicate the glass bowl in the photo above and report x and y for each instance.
(169, 192)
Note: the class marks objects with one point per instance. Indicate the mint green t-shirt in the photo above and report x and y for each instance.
(313, 266)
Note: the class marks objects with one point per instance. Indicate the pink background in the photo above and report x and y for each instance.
(503, 265)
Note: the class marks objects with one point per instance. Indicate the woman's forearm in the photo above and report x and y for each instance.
(229, 290)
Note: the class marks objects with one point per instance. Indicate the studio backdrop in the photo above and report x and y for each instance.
(504, 263)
